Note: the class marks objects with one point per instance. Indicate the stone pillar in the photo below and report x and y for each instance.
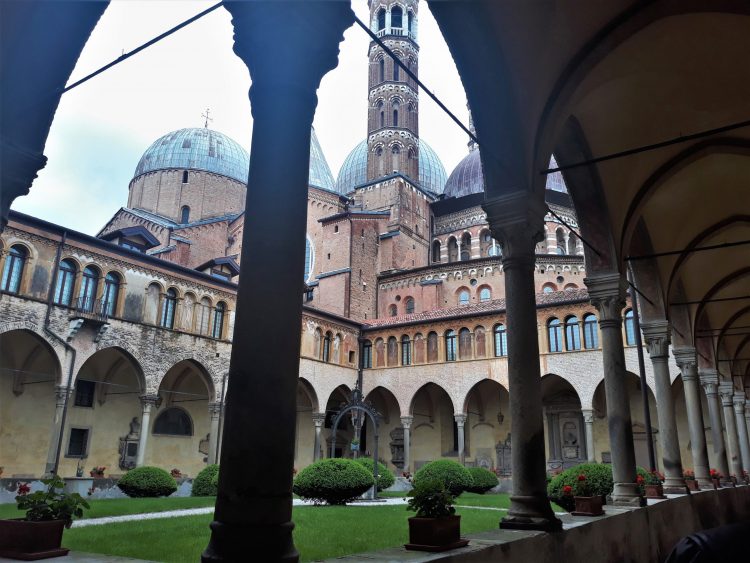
(739, 401)
(214, 412)
(406, 423)
(726, 391)
(318, 419)
(588, 420)
(286, 63)
(517, 220)
(709, 379)
(147, 402)
(62, 394)
(657, 336)
(687, 362)
(607, 293)
(460, 421)
(747, 418)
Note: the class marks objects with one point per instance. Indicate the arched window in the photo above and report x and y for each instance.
(554, 334)
(410, 19)
(395, 118)
(392, 310)
(367, 354)
(464, 344)
(392, 351)
(452, 249)
(173, 421)
(590, 332)
(450, 346)
(405, 351)
(111, 291)
(495, 249)
(204, 316)
(572, 334)
(549, 288)
(485, 294)
(572, 243)
(381, 19)
(501, 340)
(466, 246)
(185, 214)
(381, 71)
(309, 259)
(218, 327)
(396, 71)
(397, 17)
(185, 176)
(66, 277)
(409, 305)
(168, 308)
(395, 152)
(560, 242)
(463, 297)
(629, 328)
(436, 251)
(327, 347)
(89, 283)
(379, 153)
(13, 270)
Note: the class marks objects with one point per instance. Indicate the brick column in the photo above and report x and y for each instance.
(288, 47)
(607, 293)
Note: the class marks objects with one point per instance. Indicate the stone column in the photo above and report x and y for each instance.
(214, 412)
(657, 336)
(517, 220)
(709, 379)
(318, 419)
(687, 362)
(62, 394)
(607, 293)
(406, 423)
(286, 60)
(460, 421)
(147, 402)
(726, 392)
(747, 417)
(588, 420)
(739, 412)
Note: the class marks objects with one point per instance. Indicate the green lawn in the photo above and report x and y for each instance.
(320, 532)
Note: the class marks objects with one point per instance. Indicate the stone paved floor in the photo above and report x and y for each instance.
(78, 557)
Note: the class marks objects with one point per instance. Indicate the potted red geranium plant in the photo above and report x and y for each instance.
(690, 481)
(654, 487)
(587, 504)
(436, 527)
(48, 512)
(97, 472)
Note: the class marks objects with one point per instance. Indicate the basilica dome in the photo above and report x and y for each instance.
(354, 170)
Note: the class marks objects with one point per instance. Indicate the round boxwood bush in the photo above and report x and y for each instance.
(147, 482)
(598, 480)
(454, 476)
(385, 477)
(204, 484)
(482, 480)
(334, 481)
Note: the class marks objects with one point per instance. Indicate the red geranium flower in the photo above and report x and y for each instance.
(581, 477)
(23, 489)
(567, 490)
(640, 480)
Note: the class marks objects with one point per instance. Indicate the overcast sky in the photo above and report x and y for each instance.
(103, 126)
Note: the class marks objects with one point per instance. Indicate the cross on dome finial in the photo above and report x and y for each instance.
(206, 115)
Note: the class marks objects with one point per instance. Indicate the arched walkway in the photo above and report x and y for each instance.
(434, 433)
(565, 429)
(488, 426)
(390, 431)
(345, 431)
(307, 405)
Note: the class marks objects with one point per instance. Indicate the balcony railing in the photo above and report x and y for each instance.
(92, 309)
(396, 31)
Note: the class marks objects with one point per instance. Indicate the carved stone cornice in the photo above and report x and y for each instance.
(687, 360)
(709, 379)
(657, 335)
(726, 392)
(607, 294)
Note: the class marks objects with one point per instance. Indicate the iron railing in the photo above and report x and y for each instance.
(90, 308)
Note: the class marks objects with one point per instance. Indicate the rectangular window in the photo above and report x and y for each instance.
(85, 393)
(78, 442)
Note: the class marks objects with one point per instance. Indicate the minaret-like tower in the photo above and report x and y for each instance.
(393, 116)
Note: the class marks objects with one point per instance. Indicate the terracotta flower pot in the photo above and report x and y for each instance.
(29, 541)
(655, 491)
(716, 483)
(588, 506)
(692, 484)
(435, 534)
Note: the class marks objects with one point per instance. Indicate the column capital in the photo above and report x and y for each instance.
(460, 419)
(747, 410)
(62, 393)
(148, 401)
(657, 335)
(517, 221)
(318, 419)
(588, 415)
(709, 379)
(214, 409)
(726, 391)
(406, 421)
(686, 358)
(739, 401)
(607, 294)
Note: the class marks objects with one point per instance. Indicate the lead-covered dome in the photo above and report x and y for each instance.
(353, 171)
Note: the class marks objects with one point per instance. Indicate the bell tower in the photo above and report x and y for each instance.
(393, 115)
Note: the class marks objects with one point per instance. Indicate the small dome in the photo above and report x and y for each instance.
(354, 169)
(467, 177)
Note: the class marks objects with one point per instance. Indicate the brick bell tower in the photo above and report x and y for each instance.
(393, 115)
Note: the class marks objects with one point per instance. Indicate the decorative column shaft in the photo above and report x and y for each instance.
(288, 47)
(460, 422)
(62, 393)
(318, 419)
(657, 337)
(147, 402)
(607, 293)
(739, 413)
(588, 421)
(214, 412)
(517, 220)
(747, 418)
(726, 392)
(406, 423)
(709, 379)
(688, 364)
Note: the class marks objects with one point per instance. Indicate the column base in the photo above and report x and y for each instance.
(531, 513)
(675, 486)
(245, 542)
(626, 495)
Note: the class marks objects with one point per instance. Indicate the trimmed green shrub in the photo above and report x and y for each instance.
(204, 484)
(333, 480)
(482, 480)
(147, 482)
(453, 475)
(598, 480)
(385, 477)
